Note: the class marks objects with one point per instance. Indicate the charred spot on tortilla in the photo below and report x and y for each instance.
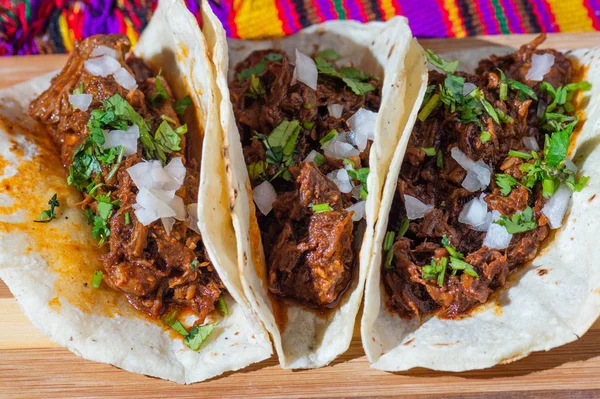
(117, 126)
(306, 132)
(485, 177)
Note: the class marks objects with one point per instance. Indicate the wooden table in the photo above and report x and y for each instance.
(31, 365)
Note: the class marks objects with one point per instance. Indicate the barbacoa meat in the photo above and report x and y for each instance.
(436, 179)
(310, 256)
(157, 271)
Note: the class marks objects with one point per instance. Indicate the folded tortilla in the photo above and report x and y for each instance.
(49, 266)
(304, 339)
(538, 310)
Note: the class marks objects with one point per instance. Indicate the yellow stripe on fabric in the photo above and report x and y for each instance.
(571, 15)
(131, 32)
(258, 19)
(455, 18)
(66, 35)
(388, 9)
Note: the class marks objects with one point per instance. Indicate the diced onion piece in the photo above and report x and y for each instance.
(168, 224)
(338, 148)
(474, 213)
(264, 196)
(341, 178)
(531, 143)
(497, 237)
(152, 175)
(540, 65)
(556, 207)
(128, 139)
(102, 66)
(306, 70)
(311, 156)
(335, 110)
(104, 50)
(359, 210)
(570, 165)
(468, 87)
(415, 209)
(362, 124)
(192, 219)
(80, 101)
(478, 173)
(124, 79)
(176, 171)
(149, 207)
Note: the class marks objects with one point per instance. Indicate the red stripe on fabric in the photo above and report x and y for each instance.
(318, 12)
(447, 22)
(281, 13)
(515, 18)
(231, 18)
(479, 12)
(591, 13)
(397, 7)
(362, 10)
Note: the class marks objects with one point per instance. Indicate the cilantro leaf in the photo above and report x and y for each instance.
(358, 87)
(519, 223)
(274, 57)
(48, 215)
(198, 335)
(166, 138)
(329, 54)
(161, 94)
(438, 62)
(257, 169)
(505, 182)
(320, 208)
(182, 104)
(559, 145)
(485, 136)
(257, 69)
(256, 88)
(222, 306)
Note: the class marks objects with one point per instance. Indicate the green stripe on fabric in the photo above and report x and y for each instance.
(339, 8)
(501, 17)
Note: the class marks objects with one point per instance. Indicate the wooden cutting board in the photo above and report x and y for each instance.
(32, 366)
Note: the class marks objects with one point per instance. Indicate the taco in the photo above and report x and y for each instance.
(124, 142)
(476, 262)
(310, 123)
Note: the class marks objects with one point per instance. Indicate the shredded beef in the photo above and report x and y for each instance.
(152, 268)
(437, 181)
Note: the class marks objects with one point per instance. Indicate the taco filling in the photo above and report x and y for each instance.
(485, 177)
(117, 125)
(306, 131)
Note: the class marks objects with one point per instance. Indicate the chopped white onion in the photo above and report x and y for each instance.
(362, 124)
(149, 207)
(176, 171)
(124, 79)
(102, 66)
(556, 207)
(474, 212)
(478, 173)
(341, 178)
(264, 196)
(415, 209)
(152, 175)
(305, 70)
(497, 237)
(192, 219)
(338, 148)
(168, 224)
(104, 50)
(359, 210)
(311, 156)
(468, 87)
(540, 65)
(531, 143)
(128, 139)
(80, 101)
(335, 110)
(570, 165)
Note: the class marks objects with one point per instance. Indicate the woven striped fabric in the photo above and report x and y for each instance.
(51, 26)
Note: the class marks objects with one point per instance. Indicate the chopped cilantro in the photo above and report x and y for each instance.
(170, 319)
(222, 306)
(320, 208)
(519, 154)
(513, 84)
(438, 62)
(198, 335)
(440, 159)
(429, 107)
(194, 264)
(161, 94)
(519, 223)
(274, 57)
(458, 264)
(485, 136)
(388, 241)
(429, 151)
(505, 182)
(256, 88)
(352, 77)
(48, 215)
(79, 89)
(403, 227)
(308, 125)
(127, 218)
(319, 159)
(257, 169)
(280, 145)
(329, 54)
(182, 104)
(328, 137)
(257, 69)
(436, 270)
(166, 139)
(97, 279)
(361, 175)
(559, 145)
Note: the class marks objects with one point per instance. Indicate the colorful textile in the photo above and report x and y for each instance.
(49, 26)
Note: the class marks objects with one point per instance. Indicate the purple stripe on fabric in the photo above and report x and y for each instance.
(488, 16)
(544, 15)
(424, 17)
(512, 16)
(352, 10)
(222, 11)
(327, 9)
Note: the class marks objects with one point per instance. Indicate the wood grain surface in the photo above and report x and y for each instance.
(32, 366)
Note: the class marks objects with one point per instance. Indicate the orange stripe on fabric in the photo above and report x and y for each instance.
(64, 32)
(458, 25)
(387, 9)
(258, 19)
(571, 15)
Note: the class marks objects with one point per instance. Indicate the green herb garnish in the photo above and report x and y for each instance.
(222, 306)
(49, 214)
(429, 151)
(329, 54)
(320, 208)
(352, 77)
(127, 218)
(182, 104)
(198, 335)
(519, 223)
(161, 94)
(97, 279)
(438, 62)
